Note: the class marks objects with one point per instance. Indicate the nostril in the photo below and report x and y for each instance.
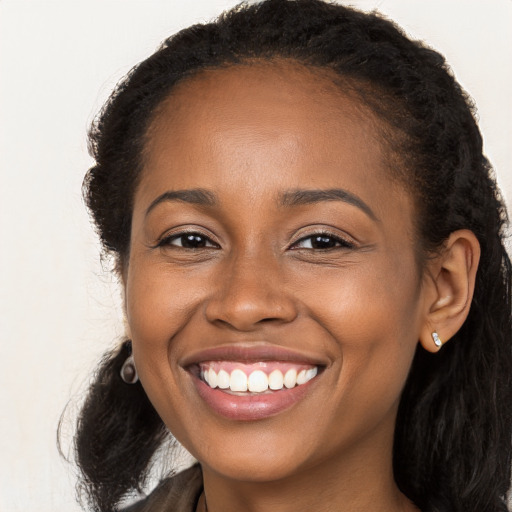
(244, 324)
(244, 307)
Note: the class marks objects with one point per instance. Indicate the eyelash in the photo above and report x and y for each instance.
(328, 238)
(340, 243)
(167, 240)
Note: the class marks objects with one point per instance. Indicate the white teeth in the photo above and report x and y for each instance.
(275, 380)
(290, 378)
(238, 381)
(301, 377)
(212, 378)
(257, 382)
(311, 373)
(223, 379)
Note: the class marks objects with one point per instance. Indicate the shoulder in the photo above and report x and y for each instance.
(176, 494)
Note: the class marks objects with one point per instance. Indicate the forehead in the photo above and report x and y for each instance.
(249, 94)
(265, 125)
(284, 79)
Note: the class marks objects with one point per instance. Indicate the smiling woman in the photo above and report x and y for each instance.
(302, 217)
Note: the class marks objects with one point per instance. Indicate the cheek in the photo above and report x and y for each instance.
(366, 311)
(158, 306)
(378, 298)
(157, 301)
(373, 314)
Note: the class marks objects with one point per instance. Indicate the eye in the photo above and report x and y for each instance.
(187, 241)
(322, 241)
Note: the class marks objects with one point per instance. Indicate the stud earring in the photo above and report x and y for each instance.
(437, 340)
(128, 371)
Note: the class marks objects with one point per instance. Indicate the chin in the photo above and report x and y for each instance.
(257, 468)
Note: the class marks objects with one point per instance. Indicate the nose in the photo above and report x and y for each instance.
(250, 293)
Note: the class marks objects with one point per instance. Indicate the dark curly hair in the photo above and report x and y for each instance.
(452, 446)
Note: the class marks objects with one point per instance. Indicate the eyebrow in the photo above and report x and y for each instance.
(301, 197)
(197, 196)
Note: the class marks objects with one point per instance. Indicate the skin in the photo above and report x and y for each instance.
(248, 135)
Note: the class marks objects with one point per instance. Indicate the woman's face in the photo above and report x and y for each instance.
(268, 240)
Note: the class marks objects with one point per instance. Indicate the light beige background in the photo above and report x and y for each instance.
(58, 310)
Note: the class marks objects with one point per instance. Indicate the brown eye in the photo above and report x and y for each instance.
(322, 241)
(188, 241)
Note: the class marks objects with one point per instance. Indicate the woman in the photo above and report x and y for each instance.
(317, 292)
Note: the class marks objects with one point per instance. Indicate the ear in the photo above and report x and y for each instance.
(450, 283)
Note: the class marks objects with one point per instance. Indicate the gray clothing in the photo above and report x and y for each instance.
(179, 493)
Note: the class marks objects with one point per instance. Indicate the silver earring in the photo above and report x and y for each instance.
(437, 340)
(128, 371)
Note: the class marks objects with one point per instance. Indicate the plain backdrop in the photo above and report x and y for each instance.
(59, 310)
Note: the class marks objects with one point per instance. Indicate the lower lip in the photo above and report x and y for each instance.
(251, 407)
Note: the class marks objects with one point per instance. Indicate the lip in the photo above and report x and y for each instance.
(250, 407)
(251, 352)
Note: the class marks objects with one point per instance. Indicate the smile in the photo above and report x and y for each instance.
(255, 390)
(253, 381)
(258, 377)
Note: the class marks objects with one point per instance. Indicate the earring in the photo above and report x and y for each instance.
(128, 371)
(437, 340)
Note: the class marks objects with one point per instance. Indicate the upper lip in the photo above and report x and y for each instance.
(251, 352)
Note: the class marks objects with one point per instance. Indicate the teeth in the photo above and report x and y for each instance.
(238, 381)
(275, 380)
(290, 378)
(212, 378)
(257, 381)
(311, 373)
(301, 377)
(223, 379)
